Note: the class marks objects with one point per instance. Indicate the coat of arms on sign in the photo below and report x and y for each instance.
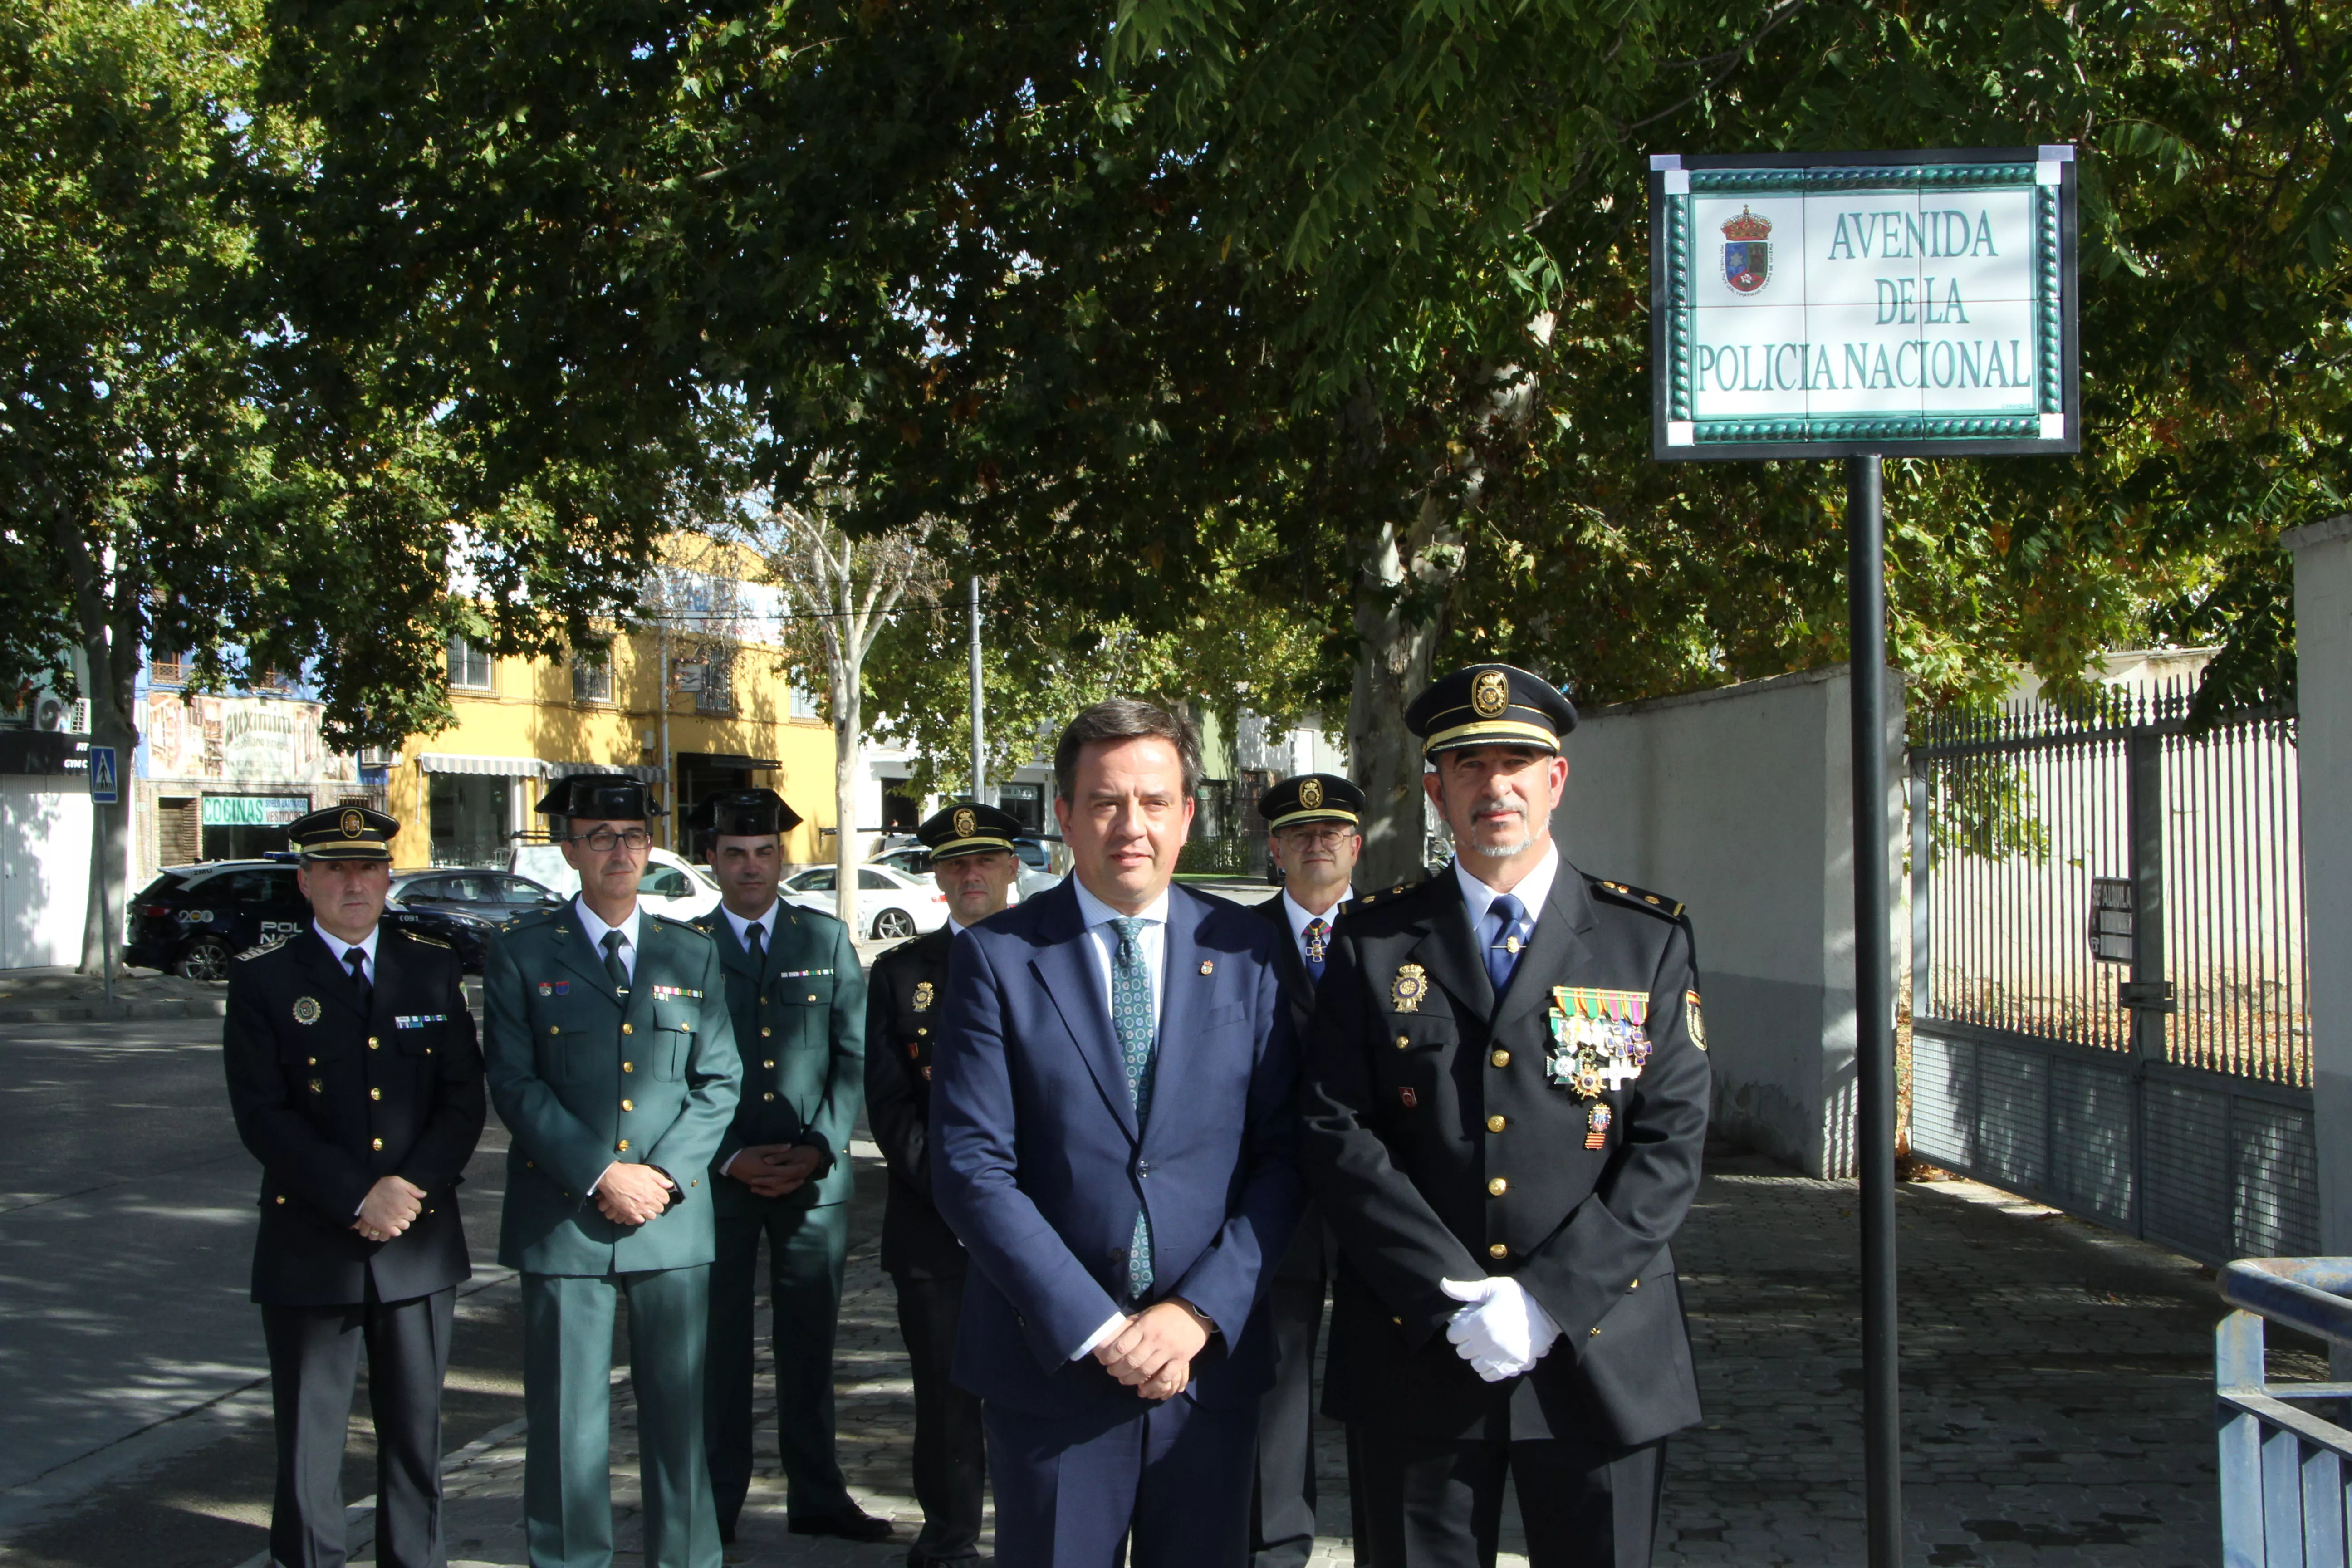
(1748, 252)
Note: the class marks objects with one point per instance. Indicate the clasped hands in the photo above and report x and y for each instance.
(771, 1169)
(1502, 1331)
(391, 1207)
(1152, 1352)
(632, 1195)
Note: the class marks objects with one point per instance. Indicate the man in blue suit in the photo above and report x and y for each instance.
(1111, 1131)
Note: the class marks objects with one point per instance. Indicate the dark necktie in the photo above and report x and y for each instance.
(612, 963)
(756, 937)
(1318, 945)
(357, 958)
(1130, 1015)
(1507, 922)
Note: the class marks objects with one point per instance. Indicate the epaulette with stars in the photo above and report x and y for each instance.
(682, 925)
(1649, 903)
(258, 949)
(1384, 895)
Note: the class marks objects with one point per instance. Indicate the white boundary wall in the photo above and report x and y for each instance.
(1738, 803)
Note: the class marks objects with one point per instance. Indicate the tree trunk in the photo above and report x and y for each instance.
(107, 614)
(848, 720)
(1402, 579)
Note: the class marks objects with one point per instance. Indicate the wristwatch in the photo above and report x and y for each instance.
(1208, 1323)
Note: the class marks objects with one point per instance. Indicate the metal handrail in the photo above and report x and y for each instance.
(2282, 1471)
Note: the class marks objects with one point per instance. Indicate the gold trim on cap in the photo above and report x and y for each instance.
(1497, 730)
(971, 845)
(1328, 814)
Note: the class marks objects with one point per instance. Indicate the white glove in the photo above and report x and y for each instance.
(1502, 1331)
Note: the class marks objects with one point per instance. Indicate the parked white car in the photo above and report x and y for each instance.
(672, 885)
(891, 903)
(1039, 868)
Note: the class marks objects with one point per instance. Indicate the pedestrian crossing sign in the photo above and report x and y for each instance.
(105, 787)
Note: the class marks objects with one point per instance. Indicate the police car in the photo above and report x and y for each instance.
(192, 920)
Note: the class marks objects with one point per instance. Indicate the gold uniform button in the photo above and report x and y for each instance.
(530, 1164)
(627, 1066)
(1403, 1041)
(629, 1028)
(767, 1061)
(923, 1030)
(314, 1061)
(376, 1143)
(811, 995)
(1636, 1285)
(281, 1197)
(555, 1029)
(765, 1031)
(1497, 1187)
(1398, 1322)
(1501, 1058)
(375, 1094)
(623, 1146)
(769, 1095)
(371, 1042)
(1499, 1250)
(628, 1105)
(1495, 1124)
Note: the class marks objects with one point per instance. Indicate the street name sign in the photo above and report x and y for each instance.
(1837, 304)
(105, 787)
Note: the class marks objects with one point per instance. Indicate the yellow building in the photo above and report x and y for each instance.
(726, 717)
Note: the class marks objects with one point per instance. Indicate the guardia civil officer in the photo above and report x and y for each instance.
(798, 999)
(612, 1061)
(975, 865)
(1505, 1102)
(1312, 835)
(356, 1081)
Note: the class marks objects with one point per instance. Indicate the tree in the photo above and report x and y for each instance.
(842, 592)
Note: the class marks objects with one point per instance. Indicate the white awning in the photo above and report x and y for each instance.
(565, 770)
(488, 767)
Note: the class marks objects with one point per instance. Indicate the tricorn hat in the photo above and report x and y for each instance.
(743, 814)
(601, 797)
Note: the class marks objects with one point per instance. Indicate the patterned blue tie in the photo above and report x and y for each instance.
(1318, 945)
(1507, 933)
(1131, 1015)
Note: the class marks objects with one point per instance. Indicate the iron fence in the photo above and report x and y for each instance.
(2283, 1467)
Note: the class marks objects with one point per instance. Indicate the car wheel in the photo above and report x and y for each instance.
(892, 923)
(205, 959)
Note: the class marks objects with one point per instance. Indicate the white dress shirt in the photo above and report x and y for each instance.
(1102, 938)
(1298, 917)
(339, 947)
(1533, 890)
(596, 928)
(766, 922)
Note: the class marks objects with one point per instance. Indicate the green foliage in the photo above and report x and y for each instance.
(1984, 808)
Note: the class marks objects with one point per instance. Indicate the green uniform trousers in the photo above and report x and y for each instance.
(807, 1248)
(568, 1398)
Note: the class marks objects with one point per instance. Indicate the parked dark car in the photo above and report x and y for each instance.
(462, 907)
(192, 920)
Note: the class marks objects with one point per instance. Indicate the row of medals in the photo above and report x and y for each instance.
(1599, 1043)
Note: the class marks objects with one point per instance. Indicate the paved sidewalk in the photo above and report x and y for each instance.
(2056, 1389)
(58, 994)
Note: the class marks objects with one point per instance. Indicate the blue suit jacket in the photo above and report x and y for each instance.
(1037, 1165)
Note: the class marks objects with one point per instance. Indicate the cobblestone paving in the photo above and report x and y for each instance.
(2056, 1398)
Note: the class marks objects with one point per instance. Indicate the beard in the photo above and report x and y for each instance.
(1506, 849)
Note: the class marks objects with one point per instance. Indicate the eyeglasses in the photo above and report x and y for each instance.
(603, 840)
(1319, 837)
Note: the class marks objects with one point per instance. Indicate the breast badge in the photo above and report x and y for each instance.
(1596, 1127)
(306, 1009)
(1600, 1041)
(1409, 988)
(923, 996)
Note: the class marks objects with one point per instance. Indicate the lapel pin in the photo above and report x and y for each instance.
(1208, 966)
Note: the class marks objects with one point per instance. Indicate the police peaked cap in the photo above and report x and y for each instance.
(972, 829)
(343, 833)
(601, 797)
(743, 814)
(1490, 705)
(1310, 798)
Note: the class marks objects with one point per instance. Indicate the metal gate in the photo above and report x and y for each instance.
(2108, 982)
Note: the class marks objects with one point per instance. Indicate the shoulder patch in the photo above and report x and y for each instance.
(257, 950)
(1654, 903)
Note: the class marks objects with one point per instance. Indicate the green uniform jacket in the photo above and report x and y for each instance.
(801, 1026)
(583, 1076)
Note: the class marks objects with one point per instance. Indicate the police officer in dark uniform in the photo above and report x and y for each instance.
(1313, 833)
(783, 1171)
(355, 1080)
(975, 865)
(1504, 1106)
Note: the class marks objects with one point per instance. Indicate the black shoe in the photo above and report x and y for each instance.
(851, 1523)
(726, 1533)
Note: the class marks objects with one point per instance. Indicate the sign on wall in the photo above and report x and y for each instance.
(1836, 304)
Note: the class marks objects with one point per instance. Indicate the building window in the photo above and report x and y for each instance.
(178, 832)
(471, 816)
(469, 667)
(718, 692)
(166, 667)
(804, 703)
(591, 677)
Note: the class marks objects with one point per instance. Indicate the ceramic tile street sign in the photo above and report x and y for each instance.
(1833, 304)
